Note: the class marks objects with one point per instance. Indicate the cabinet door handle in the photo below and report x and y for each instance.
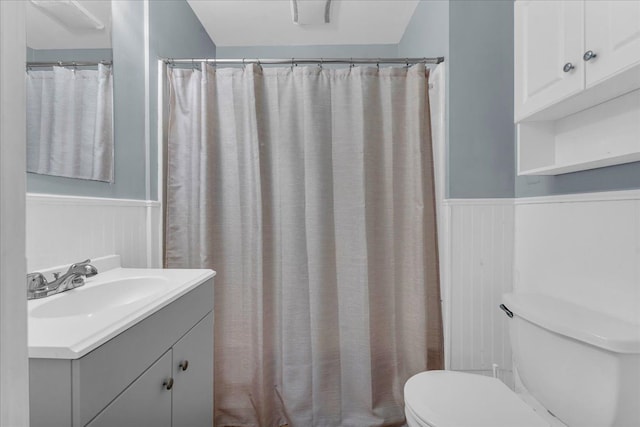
(568, 67)
(168, 383)
(184, 365)
(589, 55)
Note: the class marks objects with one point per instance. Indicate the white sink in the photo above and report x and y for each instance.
(88, 300)
(70, 324)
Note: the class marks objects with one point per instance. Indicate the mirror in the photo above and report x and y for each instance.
(70, 89)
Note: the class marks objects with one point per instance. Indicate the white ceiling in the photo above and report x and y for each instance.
(44, 32)
(269, 22)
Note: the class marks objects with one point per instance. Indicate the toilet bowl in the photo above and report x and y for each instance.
(581, 365)
(457, 399)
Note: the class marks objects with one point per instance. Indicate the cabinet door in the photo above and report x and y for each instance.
(146, 402)
(613, 34)
(193, 389)
(548, 35)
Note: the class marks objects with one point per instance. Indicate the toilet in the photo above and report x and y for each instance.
(582, 366)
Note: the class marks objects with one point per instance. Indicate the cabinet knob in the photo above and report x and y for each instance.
(184, 365)
(589, 55)
(168, 383)
(568, 67)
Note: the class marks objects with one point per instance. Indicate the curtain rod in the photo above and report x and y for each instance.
(67, 64)
(291, 61)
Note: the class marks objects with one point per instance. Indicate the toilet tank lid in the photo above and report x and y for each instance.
(574, 321)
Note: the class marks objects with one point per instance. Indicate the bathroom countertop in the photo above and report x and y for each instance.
(55, 335)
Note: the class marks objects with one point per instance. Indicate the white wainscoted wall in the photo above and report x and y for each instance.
(65, 229)
(583, 248)
(477, 268)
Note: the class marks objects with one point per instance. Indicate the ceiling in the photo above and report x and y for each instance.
(44, 32)
(269, 22)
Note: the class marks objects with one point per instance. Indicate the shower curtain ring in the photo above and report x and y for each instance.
(320, 64)
(243, 65)
(351, 64)
(378, 64)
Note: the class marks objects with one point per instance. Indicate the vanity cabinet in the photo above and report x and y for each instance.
(193, 376)
(159, 372)
(177, 390)
(576, 85)
(143, 403)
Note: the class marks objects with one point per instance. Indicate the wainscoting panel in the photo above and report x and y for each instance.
(478, 269)
(65, 229)
(581, 248)
(584, 248)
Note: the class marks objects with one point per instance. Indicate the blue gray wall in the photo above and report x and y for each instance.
(428, 31)
(52, 55)
(477, 39)
(481, 129)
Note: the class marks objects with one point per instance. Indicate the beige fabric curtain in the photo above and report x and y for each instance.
(310, 192)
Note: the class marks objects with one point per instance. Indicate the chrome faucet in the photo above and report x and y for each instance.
(39, 287)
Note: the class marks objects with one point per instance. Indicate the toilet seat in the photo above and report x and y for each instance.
(457, 399)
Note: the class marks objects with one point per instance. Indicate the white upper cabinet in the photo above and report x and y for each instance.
(577, 84)
(613, 35)
(548, 53)
(571, 55)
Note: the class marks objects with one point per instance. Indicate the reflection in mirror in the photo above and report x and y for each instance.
(70, 89)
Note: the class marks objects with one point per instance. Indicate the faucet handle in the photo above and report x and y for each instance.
(80, 264)
(35, 281)
(84, 268)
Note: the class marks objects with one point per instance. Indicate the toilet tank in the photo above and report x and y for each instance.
(582, 365)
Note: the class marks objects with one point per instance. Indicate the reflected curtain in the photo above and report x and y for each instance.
(310, 192)
(70, 123)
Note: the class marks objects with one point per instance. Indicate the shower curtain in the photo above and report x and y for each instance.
(70, 123)
(310, 192)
